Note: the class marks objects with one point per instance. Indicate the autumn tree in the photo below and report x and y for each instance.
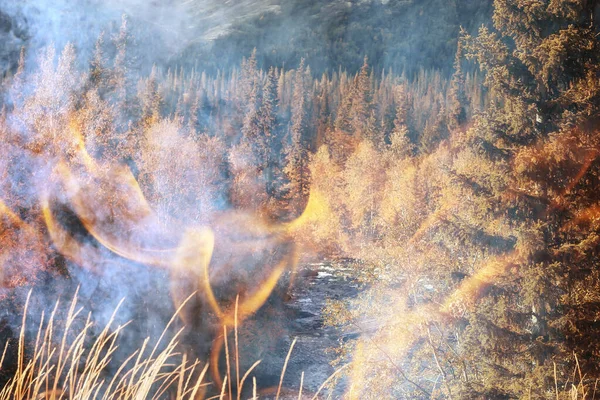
(497, 274)
(400, 144)
(527, 310)
(181, 174)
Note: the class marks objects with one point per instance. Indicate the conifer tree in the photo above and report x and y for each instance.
(400, 144)
(531, 84)
(322, 111)
(297, 153)
(249, 98)
(119, 76)
(267, 142)
(457, 97)
(98, 69)
(150, 100)
(360, 109)
(343, 119)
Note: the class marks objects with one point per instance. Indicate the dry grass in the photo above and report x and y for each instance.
(72, 365)
(65, 361)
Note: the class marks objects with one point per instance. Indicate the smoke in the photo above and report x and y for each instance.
(152, 247)
(402, 35)
(94, 221)
(161, 29)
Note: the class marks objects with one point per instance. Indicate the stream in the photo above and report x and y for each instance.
(303, 319)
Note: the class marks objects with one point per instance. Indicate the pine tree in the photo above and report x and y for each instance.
(266, 141)
(120, 71)
(537, 314)
(297, 153)
(16, 90)
(150, 100)
(322, 111)
(343, 119)
(98, 69)
(400, 144)
(360, 109)
(281, 90)
(457, 98)
(249, 97)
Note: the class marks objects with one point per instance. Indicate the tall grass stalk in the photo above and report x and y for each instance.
(75, 364)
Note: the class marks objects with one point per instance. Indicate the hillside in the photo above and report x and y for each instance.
(403, 35)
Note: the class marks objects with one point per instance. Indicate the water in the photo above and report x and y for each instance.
(303, 319)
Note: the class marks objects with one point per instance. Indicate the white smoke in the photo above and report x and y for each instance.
(161, 28)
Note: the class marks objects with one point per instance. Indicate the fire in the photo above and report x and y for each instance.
(317, 210)
(92, 208)
(22, 252)
(112, 208)
(233, 263)
(237, 255)
(64, 241)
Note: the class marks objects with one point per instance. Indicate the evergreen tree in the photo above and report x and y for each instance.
(267, 145)
(150, 100)
(119, 76)
(98, 69)
(343, 119)
(457, 98)
(297, 153)
(249, 99)
(533, 322)
(400, 144)
(360, 109)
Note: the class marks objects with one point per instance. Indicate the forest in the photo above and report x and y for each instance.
(460, 200)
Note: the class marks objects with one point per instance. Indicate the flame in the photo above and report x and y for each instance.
(427, 224)
(12, 219)
(79, 151)
(117, 216)
(193, 255)
(473, 286)
(587, 163)
(317, 210)
(108, 203)
(126, 210)
(23, 249)
(111, 206)
(357, 372)
(7, 212)
(589, 214)
(215, 353)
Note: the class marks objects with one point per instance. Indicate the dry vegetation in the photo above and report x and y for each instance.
(68, 361)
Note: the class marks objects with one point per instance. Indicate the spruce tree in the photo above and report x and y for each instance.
(360, 109)
(266, 143)
(457, 98)
(540, 313)
(297, 153)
